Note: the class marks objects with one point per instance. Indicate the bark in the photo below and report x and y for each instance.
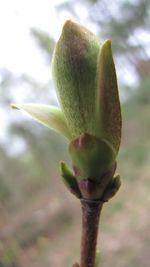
(90, 221)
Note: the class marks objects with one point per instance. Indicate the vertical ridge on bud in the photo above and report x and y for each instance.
(108, 104)
(74, 70)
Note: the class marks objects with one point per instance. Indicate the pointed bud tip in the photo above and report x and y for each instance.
(68, 22)
(107, 44)
(74, 29)
(61, 162)
(83, 139)
(70, 26)
(106, 53)
(62, 165)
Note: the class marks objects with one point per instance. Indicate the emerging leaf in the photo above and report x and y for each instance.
(51, 117)
(74, 71)
(108, 105)
(69, 179)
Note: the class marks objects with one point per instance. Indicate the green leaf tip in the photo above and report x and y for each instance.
(50, 116)
(14, 106)
(108, 104)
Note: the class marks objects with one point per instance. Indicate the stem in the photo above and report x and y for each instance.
(90, 220)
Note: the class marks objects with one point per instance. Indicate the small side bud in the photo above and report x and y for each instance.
(69, 180)
(112, 188)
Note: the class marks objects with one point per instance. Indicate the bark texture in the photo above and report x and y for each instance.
(90, 221)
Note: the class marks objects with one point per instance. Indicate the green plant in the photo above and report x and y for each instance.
(90, 118)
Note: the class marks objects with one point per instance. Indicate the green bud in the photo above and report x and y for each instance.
(69, 179)
(108, 104)
(112, 188)
(91, 156)
(86, 84)
(89, 114)
(75, 71)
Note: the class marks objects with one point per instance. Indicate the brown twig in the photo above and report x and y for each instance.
(90, 220)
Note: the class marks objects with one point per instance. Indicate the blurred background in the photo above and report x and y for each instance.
(39, 219)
